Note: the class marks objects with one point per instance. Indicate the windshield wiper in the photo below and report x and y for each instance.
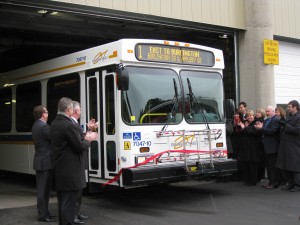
(175, 99)
(196, 107)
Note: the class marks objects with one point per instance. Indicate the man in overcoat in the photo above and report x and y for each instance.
(42, 163)
(270, 129)
(69, 168)
(289, 149)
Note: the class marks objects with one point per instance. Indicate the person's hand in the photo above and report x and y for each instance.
(92, 125)
(91, 136)
(258, 125)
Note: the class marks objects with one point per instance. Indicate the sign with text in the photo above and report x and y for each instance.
(174, 54)
(271, 52)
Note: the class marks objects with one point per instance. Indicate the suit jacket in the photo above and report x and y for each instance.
(271, 134)
(42, 144)
(68, 147)
(85, 154)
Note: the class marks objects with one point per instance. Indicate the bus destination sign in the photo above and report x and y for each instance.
(174, 54)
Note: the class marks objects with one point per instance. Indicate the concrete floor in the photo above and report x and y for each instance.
(190, 203)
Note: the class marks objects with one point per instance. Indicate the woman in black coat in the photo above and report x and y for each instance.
(250, 151)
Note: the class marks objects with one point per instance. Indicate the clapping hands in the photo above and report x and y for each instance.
(92, 125)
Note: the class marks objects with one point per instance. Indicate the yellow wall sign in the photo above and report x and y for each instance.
(127, 145)
(271, 52)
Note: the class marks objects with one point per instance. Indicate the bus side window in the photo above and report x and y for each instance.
(27, 97)
(5, 109)
(110, 104)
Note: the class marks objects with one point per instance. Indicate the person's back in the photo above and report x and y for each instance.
(42, 144)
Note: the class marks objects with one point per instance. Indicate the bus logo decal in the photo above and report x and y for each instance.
(99, 56)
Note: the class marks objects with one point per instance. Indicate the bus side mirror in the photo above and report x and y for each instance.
(229, 108)
(122, 78)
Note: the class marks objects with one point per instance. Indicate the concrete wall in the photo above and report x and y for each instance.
(256, 78)
(227, 13)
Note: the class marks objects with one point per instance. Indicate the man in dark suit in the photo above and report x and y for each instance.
(69, 170)
(42, 162)
(270, 131)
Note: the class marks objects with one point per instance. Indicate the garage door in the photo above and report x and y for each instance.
(287, 73)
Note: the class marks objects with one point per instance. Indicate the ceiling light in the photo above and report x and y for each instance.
(42, 11)
(8, 85)
(223, 36)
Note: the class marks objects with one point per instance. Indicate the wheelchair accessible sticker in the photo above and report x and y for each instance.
(136, 136)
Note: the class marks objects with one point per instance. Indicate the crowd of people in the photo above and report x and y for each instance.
(267, 140)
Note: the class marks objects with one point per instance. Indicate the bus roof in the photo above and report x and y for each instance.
(124, 50)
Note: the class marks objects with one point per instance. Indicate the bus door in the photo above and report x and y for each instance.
(101, 107)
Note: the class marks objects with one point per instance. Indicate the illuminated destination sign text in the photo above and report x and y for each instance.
(174, 54)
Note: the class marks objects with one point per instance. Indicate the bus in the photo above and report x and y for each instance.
(160, 107)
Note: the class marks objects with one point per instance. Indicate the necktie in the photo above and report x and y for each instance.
(267, 122)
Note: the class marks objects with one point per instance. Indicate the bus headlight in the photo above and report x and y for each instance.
(143, 158)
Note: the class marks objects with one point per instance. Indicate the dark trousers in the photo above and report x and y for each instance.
(43, 184)
(66, 206)
(78, 204)
(272, 171)
(250, 172)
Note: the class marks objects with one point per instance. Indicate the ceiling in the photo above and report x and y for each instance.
(27, 36)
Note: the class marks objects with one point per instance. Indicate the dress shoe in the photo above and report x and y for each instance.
(83, 217)
(47, 220)
(270, 186)
(288, 187)
(266, 185)
(52, 216)
(78, 221)
(295, 188)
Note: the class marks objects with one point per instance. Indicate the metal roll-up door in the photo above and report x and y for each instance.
(287, 73)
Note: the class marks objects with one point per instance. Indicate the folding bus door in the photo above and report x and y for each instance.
(101, 95)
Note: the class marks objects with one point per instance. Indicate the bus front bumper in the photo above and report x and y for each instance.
(178, 171)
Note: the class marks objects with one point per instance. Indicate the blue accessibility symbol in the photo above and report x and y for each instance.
(136, 136)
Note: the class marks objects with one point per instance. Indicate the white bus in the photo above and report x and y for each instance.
(159, 104)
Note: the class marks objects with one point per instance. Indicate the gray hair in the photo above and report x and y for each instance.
(64, 104)
(271, 108)
(76, 105)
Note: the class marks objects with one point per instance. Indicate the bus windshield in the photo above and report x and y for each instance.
(203, 96)
(152, 97)
(155, 96)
